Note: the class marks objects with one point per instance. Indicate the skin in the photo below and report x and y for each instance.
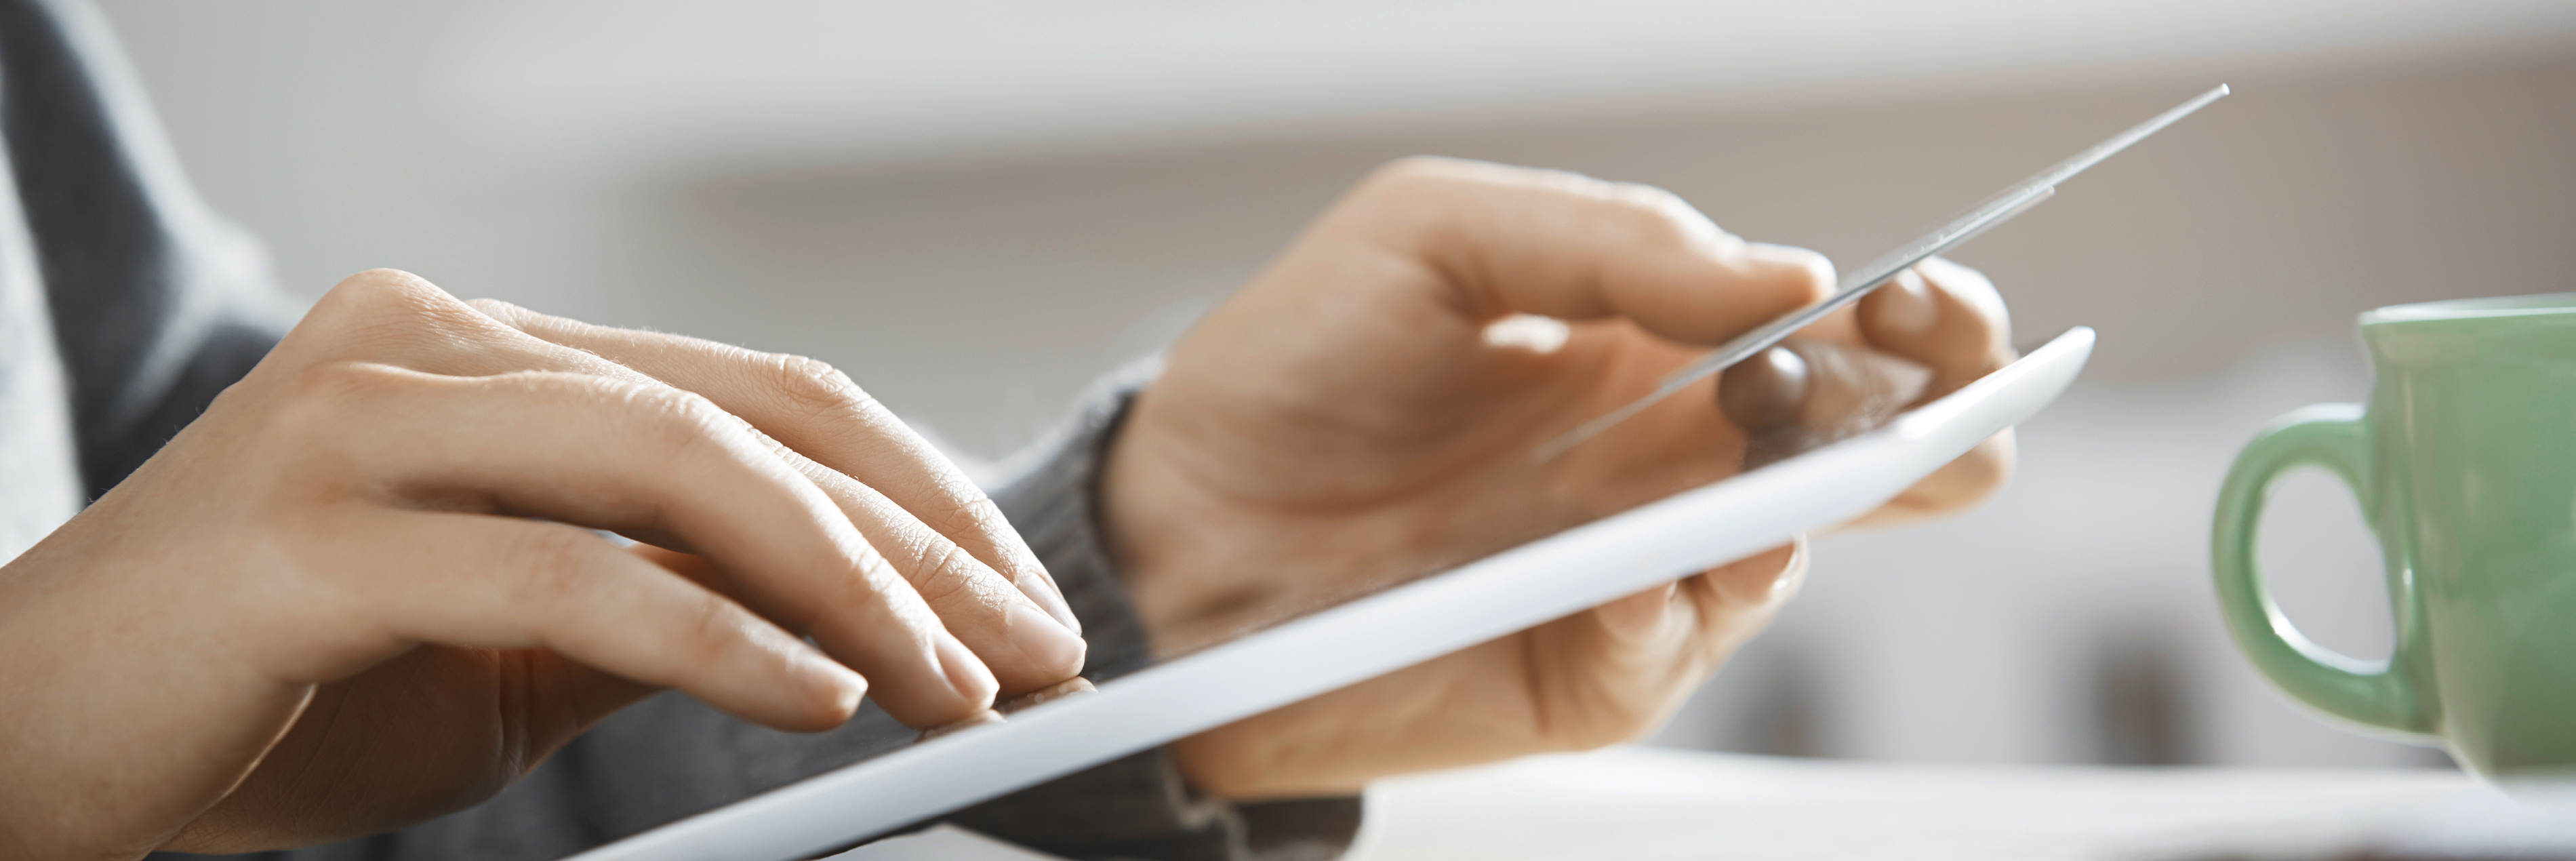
(326, 611)
(1349, 421)
(358, 592)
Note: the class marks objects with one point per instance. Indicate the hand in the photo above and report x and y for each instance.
(356, 594)
(1363, 412)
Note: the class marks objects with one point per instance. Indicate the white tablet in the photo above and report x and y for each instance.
(1509, 591)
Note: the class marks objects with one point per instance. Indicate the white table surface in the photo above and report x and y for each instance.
(1648, 803)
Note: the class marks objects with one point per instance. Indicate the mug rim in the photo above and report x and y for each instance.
(2531, 305)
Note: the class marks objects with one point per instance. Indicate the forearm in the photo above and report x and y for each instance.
(1136, 806)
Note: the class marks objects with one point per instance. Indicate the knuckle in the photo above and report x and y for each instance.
(382, 284)
(557, 566)
(1975, 290)
(381, 311)
(1415, 185)
(335, 381)
(1615, 723)
(496, 309)
(948, 573)
(815, 388)
(378, 291)
(1652, 215)
(1643, 214)
(968, 511)
(1816, 282)
(873, 580)
(321, 397)
(876, 578)
(668, 421)
(1954, 275)
(1409, 169)
(713, 626)
(1749, 583)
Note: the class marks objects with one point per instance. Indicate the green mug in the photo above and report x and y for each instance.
(2465, 465)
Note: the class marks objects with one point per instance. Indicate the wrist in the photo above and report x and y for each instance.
(1141, 532)
(1182, 548)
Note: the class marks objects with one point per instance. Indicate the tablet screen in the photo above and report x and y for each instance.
(1852, 437)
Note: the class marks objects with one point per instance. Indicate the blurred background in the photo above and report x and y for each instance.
(975, 207)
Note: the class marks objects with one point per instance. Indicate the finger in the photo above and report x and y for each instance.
(1806, 394)
(1826, 384)
(516, 584)
(1516, 240)
(1733, 602)
(1950, 318)
(1712, 602)
(705, 572)
(819, 412)
(1766, 391)
(1007, 622)
(1956, 485)
(392, 317)
(1819, 385)
(1642, 655)
(1944, 315)
(1025, 649)
(650, 460)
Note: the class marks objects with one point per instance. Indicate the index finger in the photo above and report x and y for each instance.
(1944, 315)
(818, 412)
(1949, 318)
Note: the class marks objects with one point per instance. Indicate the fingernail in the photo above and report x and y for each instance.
(1764, 391)
(827, 683)
(966, 674)
(1035, 582)
(987, 716)
(1904, 308)
(1072, 687)
(1043, 641)
(1793, 575)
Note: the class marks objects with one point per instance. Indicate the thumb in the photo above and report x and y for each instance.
(1518, 240)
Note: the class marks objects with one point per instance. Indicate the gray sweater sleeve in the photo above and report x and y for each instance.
(1136, 807)
(152, 306)
(155, 304)
(670, 756)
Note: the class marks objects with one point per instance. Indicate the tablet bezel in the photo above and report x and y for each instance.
(1506, 592)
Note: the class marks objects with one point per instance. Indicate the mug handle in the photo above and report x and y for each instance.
(2335, 437)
